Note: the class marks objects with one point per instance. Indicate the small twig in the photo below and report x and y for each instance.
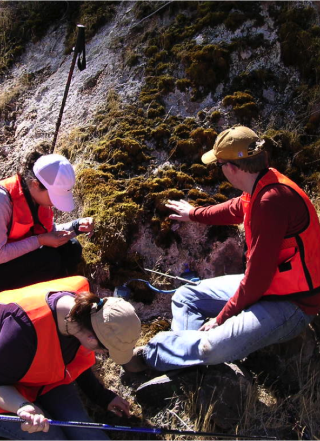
(149, 108)
(166, 117)
(145, 18)
(312, 162)
(181, 420)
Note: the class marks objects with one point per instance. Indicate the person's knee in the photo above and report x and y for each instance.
(210, 354)
(182, 295)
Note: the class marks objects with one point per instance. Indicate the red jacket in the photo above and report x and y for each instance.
(299, 260)
(47, 369)
(23, 224)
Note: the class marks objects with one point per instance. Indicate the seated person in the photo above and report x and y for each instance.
(32, 248)
(279, 293)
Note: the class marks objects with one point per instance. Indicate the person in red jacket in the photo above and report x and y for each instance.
(32, 248)
(226, 318)
(49, 335)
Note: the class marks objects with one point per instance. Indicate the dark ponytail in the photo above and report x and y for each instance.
(26, 169)
(81, 312)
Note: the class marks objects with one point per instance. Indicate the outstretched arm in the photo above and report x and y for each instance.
(182, 209)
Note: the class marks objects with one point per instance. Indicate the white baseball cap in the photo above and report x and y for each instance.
(56, 173)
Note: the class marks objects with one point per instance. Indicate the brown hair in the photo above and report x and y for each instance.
(81, 311)
(253, 164)
(26, 170)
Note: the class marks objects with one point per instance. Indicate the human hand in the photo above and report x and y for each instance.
(86, 225)
(119, 406)
(35, 421)
(211, 324)
(182, 208)
(55, 239)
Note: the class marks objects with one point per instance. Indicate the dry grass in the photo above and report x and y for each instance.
(266, 410)
(8, 97)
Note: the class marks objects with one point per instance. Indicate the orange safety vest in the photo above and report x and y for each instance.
(22, 222)
(298, 271)
(47, 369)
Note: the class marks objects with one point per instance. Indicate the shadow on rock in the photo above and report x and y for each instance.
(222, 389)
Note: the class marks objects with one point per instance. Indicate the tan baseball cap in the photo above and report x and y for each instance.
(117, 327)
(238, 142)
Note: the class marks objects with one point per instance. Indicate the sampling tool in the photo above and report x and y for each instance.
(154, 430)
(182, 279)
(124, 291)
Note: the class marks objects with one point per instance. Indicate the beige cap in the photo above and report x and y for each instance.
(117, 327)
(233, 144)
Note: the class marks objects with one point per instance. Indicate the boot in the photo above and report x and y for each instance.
(137, 363)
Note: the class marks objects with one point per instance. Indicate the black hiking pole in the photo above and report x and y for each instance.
(78, 50)
(154, 430)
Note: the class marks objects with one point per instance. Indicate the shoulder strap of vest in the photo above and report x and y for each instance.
(11, 217)
(33, 208)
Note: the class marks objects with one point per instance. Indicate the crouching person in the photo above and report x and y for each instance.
(49, 335)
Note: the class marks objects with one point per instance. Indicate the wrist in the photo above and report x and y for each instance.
(24, 404)
(40, 238)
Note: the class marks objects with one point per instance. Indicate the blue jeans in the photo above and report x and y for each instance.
(262, 324)
(62, 403)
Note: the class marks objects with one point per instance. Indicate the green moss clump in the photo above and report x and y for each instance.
(215, 116)
(161, 132)
(201, 198)
(219, 197)
(298, 29)
(185, 148)
(237, 98)
(206, 66)
(133, 60)
(182, 131)
(243, 105)
(161, 67)
(255, 81)
(151, 50)
(234, 20)
(161, 198)
(166, 84)
(155, 110)
(204, 137)
(194, 194)
(226, 189)
(117, 150)
(183, 84)
(116, 216)
(22, 22)
(198, 170)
